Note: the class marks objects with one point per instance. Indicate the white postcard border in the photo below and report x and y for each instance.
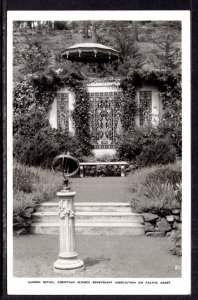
(20, 286)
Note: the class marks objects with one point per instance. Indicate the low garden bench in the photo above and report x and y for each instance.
(122, 165)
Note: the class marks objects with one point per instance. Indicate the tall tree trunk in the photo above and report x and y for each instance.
(135, 30)
(93, 31)
(86, 34)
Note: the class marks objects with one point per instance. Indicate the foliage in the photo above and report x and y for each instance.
(129, 106)
(170, 126)
(23, 179)
(28, 124)
(57, 39)
(168, 57)
(34, 93)
(81, 118)
(35, 143)
(31, 55)
(60, 25)
(103, 158)
(145, 146)
(161, 152)
(47, 143)
(156, 195)
(40, 149)
(171, 122)
(31, 186)
(24, 93)
(129, 146)
(170, 173)
(102, 170)
(155, 198)
(125, 44)
(176, 242)
(156, 189)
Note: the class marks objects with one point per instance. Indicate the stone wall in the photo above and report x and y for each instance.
(156, 225)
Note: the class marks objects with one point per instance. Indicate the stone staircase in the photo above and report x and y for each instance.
(96, 218)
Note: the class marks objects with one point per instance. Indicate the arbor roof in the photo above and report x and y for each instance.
(90, 52)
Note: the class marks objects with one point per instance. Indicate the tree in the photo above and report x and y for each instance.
(125, 43)
(31, 55)
(93, 31)
(167, 56)
(135, 29)
(86, 26)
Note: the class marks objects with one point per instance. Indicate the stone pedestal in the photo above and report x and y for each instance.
(68, 257)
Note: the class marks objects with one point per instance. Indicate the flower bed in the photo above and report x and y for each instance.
(31, 186)
(157, 195)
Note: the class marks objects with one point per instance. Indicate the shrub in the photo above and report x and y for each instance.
(23, 179)
(156, 189)
(41, 149)
(29, 123)
(155, 198)
(176, 242)
(68, 143)
(130, 145)
(161, 152)
(31, 186)
(107, 158)
(102, 170)
(166, 175)
(170, 173)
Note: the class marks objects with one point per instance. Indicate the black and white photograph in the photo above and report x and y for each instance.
(98, 122)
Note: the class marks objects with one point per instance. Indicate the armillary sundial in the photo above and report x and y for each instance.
(67, 165)
(68, 257)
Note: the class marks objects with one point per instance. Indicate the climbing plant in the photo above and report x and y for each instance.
(32, 97)
(169, 85)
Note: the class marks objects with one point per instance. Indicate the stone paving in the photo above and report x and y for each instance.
(104, 256)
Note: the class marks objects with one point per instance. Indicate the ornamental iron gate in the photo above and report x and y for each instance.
(105, 123)
(63, 111)
(145, 107)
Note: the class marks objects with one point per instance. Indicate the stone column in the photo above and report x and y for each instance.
(68, 257)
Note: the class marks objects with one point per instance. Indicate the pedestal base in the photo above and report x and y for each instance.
(68, 265)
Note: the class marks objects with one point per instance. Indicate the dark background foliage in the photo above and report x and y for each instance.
(40, 72)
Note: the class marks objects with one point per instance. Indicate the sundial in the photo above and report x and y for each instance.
(68, 257)
(67, 165)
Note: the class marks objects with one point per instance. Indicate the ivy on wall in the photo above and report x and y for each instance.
(169, 85)
(38, 92)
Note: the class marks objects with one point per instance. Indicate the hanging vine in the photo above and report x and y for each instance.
(46, 87)
(38, 92)
(169, 85)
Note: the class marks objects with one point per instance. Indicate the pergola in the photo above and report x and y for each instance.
(90, 53)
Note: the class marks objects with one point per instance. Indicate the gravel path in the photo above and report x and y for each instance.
(104, 256)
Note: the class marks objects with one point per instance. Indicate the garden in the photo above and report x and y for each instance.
(153, 153)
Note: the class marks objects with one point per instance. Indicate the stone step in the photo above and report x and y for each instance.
(92, 229)
(90, 217)
(88, 206)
